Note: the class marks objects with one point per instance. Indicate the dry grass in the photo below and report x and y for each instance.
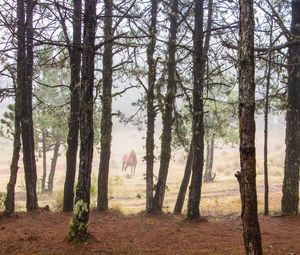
(127, 194)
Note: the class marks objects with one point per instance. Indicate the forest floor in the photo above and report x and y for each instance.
(45, 233)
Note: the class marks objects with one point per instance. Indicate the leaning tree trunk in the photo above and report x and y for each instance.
(44, 149)
(10, 196)
(184, 183)
(73, 130)
(193, 211)
(78, 227)
(247, 176)
(106, 121)
(53, 166)
(167, 117)
(150, 108)
(25, 74)
(290, 189)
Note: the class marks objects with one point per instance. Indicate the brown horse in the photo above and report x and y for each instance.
(129, 160)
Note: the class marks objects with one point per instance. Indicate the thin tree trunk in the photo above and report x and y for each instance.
(25, 80)
(205, 52)
(208, 176)
(184, 183)
(247, 176)
(207, 158)
(78, 227)
(193, 211)
(211, 160)
(53, 166)
(167, 117)
(10, 196)
(73, 130)
(44, 149)
(212, 150)
(150, 108)
(106, 119)
(266, 175)
(290, 188)
(208, 33)
(266, 118)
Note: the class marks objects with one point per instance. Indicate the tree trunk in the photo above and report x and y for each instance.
(25, 72)
(53, 166)
(106, 120)
(208, 33)
(188, 167)
(167, 116)
(207, 157)
(71, 155)
(209, 150)
(10, 196)
(208, 175)
(44, 149)
(247, 176)
(211, 160)
(290, 188)
(184, 183)
(78, 227)
(150, 108)
(193, 211)
(266, 118)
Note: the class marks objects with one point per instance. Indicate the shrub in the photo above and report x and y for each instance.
(2, 199)
(57, 202)
(117, 207)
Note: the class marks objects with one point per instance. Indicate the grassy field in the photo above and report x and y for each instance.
(127, 193)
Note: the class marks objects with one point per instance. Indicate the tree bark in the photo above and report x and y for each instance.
(290, 188)
(184, 183)
(266, 118)
(25, 73)
(10, 196)
(53, 166)
(44, 149)
(167, 115)
(247, 176)
(78, 227)
(106, 117)
(73, 130)
(150, 108)
(193, 211)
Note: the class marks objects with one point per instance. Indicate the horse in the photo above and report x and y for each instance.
(129, 160)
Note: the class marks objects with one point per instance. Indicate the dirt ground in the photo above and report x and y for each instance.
(113, 233)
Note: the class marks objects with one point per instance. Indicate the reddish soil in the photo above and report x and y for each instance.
(111, 233)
